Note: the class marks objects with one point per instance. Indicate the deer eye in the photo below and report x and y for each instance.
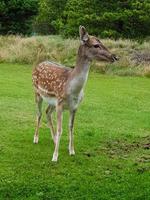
(96, 46)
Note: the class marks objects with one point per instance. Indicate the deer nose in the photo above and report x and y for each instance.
(114, 58)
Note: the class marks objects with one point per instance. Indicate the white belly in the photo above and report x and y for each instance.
(50, 100)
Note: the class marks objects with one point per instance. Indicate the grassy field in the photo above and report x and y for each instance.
(134, 56)
(112, 133)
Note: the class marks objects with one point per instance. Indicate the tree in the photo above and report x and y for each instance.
(109, 18)
(16, 16)
(49, 20)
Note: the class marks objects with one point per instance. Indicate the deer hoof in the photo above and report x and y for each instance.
(72, 153)
(36, 139)
(54, 159)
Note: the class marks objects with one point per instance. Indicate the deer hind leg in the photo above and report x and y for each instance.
(59, 112)
(71, 136)
(39, 101)
(49, 112)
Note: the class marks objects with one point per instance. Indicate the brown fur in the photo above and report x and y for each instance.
(52, 78)
(63, 87)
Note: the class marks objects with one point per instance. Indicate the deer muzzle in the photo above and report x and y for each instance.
(114, 58)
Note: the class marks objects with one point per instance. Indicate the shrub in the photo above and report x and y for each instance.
(16, 16)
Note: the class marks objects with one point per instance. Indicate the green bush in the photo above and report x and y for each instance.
(109, 18)
(16, 16)
(49, 19)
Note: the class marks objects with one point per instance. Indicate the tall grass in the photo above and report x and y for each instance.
(29, 50)
(15, 49)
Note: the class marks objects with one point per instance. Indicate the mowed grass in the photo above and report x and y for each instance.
(112, 136)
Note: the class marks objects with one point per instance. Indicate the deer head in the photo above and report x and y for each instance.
(92, 47)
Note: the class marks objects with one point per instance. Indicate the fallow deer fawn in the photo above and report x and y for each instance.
(62, 88)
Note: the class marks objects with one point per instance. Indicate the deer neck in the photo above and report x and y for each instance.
(80, 73)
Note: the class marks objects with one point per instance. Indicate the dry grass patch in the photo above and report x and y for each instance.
(134, 57)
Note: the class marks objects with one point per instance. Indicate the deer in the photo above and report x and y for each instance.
(63, 87)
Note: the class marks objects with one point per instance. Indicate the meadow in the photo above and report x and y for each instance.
(112, 137)
(134, 56)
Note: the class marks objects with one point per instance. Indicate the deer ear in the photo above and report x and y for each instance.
(83, 34)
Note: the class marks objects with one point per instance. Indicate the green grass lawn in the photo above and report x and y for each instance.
(112, 133)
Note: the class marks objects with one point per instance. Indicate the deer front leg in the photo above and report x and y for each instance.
(59, 113)
(71, 136)
(39, 100)
(49, 112)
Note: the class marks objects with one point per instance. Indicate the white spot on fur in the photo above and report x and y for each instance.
(43, 90)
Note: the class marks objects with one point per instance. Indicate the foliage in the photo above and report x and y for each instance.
(50, 15)
(109, 18)
(111, 132)
(16, 16)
